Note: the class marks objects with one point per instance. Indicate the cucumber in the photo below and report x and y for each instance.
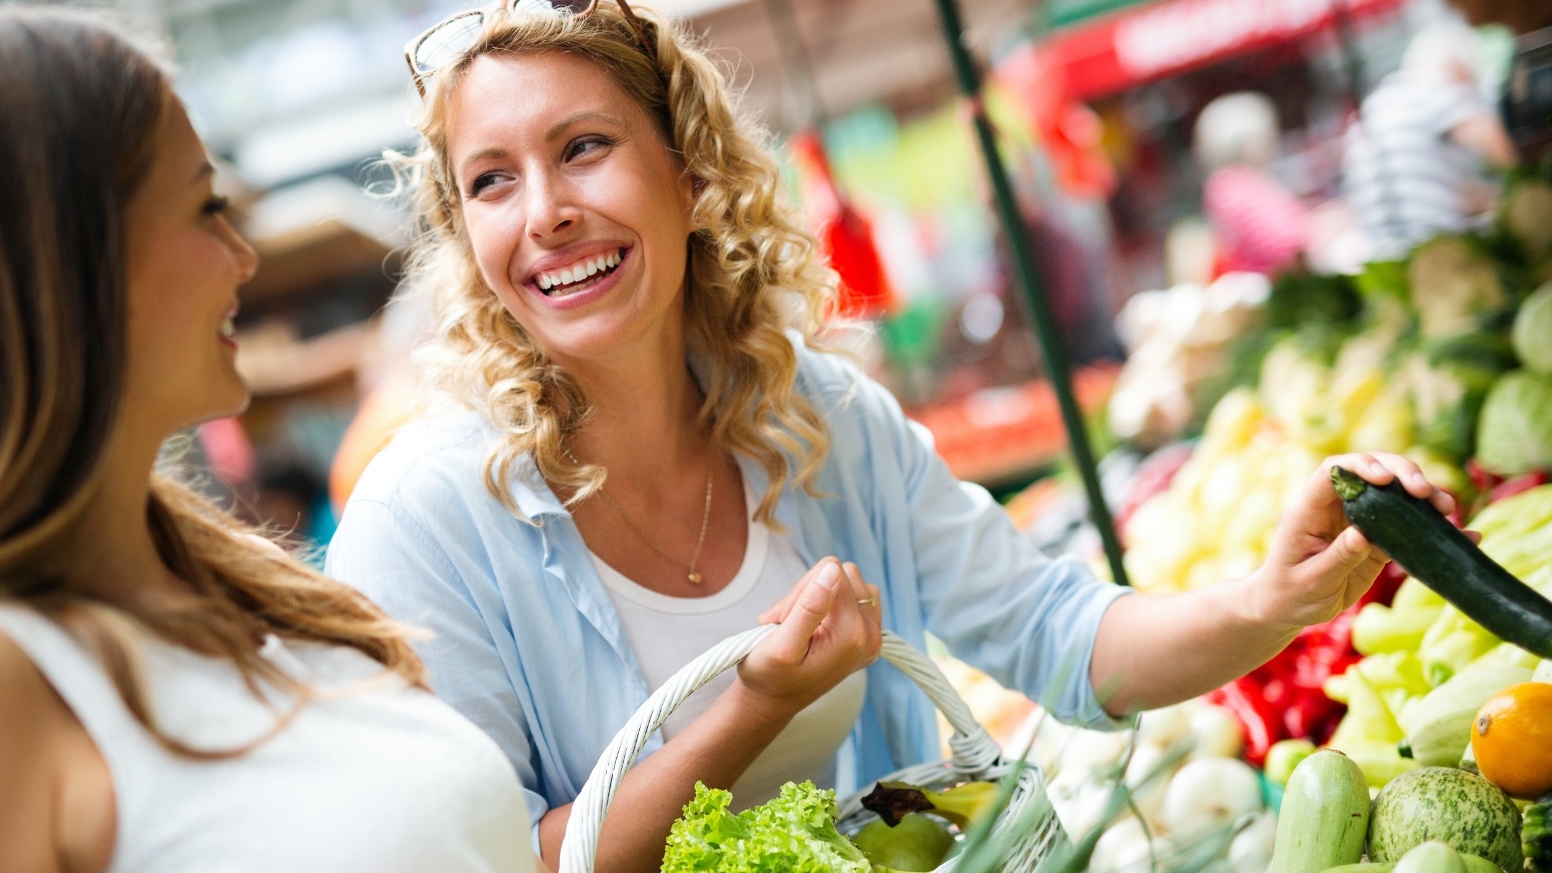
(1324, 815)
(1436, 553)
(1442, 803)
(1431, 857)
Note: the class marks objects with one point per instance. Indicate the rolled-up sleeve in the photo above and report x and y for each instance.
(994, 599)
(391, 558)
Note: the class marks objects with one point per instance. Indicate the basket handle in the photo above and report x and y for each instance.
(974, 751)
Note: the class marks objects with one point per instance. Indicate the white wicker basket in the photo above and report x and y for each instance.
(975, 756)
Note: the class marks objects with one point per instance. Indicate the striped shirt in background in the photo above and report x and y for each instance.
(1405, 179)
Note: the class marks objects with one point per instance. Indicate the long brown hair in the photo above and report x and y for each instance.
(81, 102)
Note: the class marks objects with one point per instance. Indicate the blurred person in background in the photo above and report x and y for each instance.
(643, 448)
(175, 692)
(391, 396)
(1527, 98)
(1415, 164)
(1260, 226)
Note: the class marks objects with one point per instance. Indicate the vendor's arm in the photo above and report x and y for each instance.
(1154, 650)
(824, 638)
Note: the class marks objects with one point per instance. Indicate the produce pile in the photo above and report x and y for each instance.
(1427, 668)
(1445, 357)
(916, 830)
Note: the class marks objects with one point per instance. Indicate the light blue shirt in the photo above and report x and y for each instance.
(528, 645)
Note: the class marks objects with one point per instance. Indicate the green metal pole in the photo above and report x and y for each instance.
(1024, 274)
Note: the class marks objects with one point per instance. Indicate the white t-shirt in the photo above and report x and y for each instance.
(372, 776)
(668, 632)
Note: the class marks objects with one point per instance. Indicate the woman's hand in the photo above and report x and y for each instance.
(825, 635)
(1318, 564)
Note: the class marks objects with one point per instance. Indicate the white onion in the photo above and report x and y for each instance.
(1251, 850)
(1164, 727)
(1208, 793)
(1148, 797)
(1122, 849)
(1080, 802)
(1093, 752)
(1216, 732)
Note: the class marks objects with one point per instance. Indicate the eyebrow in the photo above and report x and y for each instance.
(583, 116)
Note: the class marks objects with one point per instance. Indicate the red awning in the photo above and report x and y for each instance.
(1169, 37)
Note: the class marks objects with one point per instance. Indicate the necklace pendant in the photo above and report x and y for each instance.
(695, 578)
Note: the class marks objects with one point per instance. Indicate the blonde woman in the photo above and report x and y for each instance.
(176, 695)
(645, 450)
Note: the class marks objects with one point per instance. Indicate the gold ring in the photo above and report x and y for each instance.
(866, 601)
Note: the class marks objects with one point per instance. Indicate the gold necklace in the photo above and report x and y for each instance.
(694, 576)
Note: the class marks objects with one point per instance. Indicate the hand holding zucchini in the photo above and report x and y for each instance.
(1435, 552)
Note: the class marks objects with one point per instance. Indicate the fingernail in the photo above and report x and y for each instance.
(829, 574)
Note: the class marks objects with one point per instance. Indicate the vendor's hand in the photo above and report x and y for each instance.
(1318, 564)
(825, 635)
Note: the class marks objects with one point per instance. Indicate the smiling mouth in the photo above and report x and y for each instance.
(579, 276)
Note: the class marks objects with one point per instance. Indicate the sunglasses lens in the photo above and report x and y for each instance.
(447, 42)
(550, 7)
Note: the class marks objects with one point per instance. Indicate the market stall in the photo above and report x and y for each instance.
(1444, 357)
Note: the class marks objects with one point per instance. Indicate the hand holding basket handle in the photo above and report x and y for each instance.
(825, 634)
(976, 755)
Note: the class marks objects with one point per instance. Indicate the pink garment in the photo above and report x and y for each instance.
(1261, 227)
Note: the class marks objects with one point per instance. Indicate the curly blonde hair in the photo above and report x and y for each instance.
(752, 273)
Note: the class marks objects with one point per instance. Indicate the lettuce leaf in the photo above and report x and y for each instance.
(792, 833)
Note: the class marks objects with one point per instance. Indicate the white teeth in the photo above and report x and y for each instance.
(578, 272)
(228, 328)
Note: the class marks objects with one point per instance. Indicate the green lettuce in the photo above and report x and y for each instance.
(1515, 432)
(792, 833)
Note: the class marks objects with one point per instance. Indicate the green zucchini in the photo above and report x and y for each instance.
(1324, 815)
(1474, 864)
(1436, 553)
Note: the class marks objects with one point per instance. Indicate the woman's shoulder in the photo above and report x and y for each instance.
(59, 753)
(834, 381)
(442, 452)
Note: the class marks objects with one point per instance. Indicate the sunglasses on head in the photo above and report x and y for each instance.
(449, 38)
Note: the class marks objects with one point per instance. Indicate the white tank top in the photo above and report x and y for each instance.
(668, 632)
(372, 776)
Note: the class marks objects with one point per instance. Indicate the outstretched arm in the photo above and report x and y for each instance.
(1154, 650)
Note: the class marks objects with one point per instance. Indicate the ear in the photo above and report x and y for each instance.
(690, 189)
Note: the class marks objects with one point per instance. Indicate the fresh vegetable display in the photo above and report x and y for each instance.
(794, 831)
(1324, 816)
(1536, 835)
(965, 805)
(915, 843)
(1453, 806)
(1434, 551)
(1511, 739)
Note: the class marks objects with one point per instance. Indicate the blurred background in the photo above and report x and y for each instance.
(1099, 106)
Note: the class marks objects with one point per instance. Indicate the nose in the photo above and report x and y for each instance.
(551, 206)
(245, 257)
